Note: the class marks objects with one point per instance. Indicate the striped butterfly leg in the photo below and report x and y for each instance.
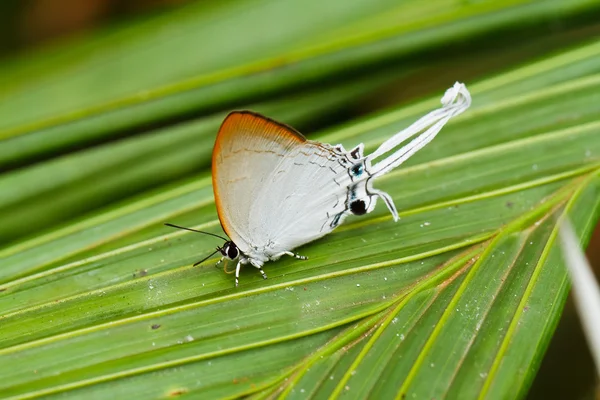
(261, 271)
(237, 273)
(289, 253)
(296, 255)
(219, 262)
(255, 265)
(258, 265)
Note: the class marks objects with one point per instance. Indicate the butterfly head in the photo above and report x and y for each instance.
(229, 250)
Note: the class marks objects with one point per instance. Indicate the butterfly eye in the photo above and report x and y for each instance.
(357, 169)
(231, 250)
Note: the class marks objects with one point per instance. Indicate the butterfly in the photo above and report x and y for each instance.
(275, 190)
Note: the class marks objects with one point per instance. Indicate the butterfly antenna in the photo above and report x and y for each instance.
(194, 230)
(206, 258)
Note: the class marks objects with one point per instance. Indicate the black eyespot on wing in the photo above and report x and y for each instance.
(358, 207)
(355, 154)
(357, 169)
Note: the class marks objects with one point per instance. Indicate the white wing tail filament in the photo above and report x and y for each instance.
(454, 102)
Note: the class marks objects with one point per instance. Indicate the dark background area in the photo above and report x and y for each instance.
(28, 23)
(567, 371)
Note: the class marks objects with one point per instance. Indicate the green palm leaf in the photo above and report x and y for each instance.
(457, 299)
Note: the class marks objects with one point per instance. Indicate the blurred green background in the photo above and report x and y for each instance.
(36, 26)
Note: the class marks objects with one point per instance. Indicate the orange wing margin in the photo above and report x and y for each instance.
(247, 121)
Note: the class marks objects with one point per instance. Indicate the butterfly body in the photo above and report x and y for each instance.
(275, 190)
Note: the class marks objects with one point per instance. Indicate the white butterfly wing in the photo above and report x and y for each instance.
(302, 199)
(274, 190)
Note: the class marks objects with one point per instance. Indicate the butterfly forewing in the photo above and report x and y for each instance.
(275, 190)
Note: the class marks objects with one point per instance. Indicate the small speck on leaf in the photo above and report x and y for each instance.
(140, 273)
(178, 392)
(155, 326)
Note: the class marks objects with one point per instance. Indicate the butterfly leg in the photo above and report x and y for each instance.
(259, 267)
(219, 262)
(237, 273)
(262, 272)
(288, 253)
(295, 255)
